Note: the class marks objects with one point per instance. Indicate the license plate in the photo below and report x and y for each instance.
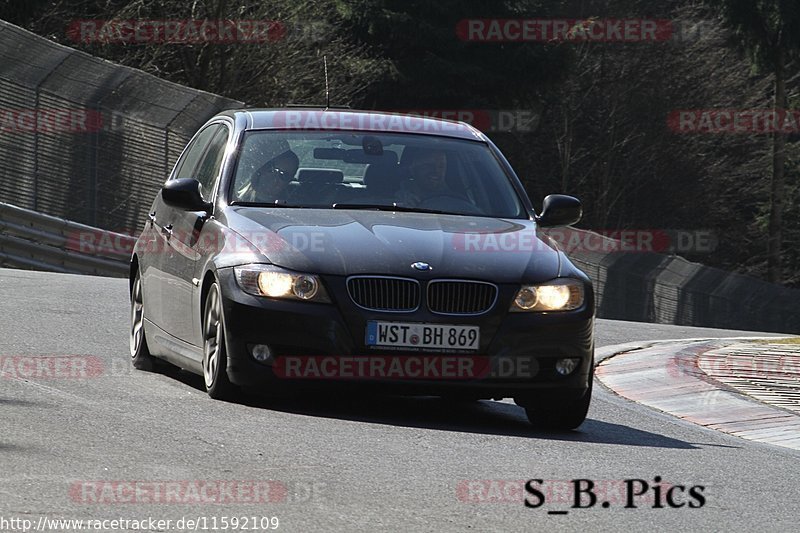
(417, 335)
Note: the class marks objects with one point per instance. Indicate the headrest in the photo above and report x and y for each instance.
(263, 147)
(382, 172)
(388, 158)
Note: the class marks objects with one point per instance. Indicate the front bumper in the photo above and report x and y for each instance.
(516, 358)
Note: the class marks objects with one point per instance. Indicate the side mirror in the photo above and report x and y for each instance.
(184, 193)
(560, 210)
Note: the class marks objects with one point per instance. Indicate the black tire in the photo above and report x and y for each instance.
(564, 416)
(140, 353)
(215, 359)
(456, 400)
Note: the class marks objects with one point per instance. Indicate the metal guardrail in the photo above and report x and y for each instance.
(119, 133)
(29, 239)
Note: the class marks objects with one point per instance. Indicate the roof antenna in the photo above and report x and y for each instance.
(327, 93)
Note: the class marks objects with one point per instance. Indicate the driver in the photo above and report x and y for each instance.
(269, 182)
(427, 178)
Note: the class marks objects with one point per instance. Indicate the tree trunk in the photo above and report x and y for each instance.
(777, 190)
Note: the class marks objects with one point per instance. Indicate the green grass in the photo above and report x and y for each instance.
(791, 340)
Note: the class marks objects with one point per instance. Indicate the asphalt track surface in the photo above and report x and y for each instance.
(342, 464)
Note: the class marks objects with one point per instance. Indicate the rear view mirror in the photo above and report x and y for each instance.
(336, 154)
(369, 154)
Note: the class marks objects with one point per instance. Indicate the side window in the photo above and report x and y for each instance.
(188, 165)
(208, 170)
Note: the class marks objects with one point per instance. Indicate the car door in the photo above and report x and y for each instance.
(155, 280)
(162, 284)
(183, 256)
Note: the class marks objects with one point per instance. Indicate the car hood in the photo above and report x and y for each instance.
(348, 242)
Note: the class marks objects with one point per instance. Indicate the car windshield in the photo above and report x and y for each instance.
(356, 170)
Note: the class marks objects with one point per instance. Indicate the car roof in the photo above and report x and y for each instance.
(325, 119)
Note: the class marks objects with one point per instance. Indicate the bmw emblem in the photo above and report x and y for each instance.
(419, 265)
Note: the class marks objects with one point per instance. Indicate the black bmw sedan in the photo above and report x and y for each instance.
(331, 248)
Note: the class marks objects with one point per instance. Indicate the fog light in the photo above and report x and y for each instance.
(567, 365)
(261, 353)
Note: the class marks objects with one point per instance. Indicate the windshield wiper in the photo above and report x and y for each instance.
(265, 204)
(391, 207)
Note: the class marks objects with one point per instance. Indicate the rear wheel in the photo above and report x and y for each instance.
(140, 354)
(568, 415)
(215, 360)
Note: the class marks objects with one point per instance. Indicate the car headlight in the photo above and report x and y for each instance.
(557, 295)
(276, 282)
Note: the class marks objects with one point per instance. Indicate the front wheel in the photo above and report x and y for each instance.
(215, 360)
(565, 416)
